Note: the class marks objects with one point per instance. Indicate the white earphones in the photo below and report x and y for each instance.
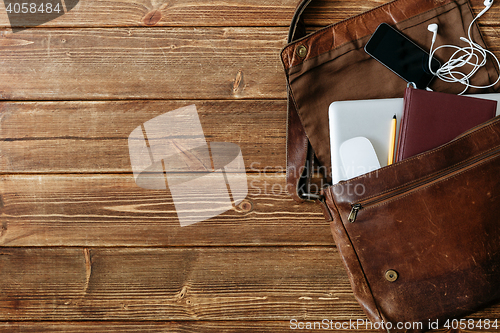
(488, 3)
(434, 29)
(473, 55)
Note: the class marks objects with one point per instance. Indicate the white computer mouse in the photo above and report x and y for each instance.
(358, 157)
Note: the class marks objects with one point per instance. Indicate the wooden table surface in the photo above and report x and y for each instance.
(83, 248)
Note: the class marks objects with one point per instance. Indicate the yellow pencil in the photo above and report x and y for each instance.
(392, 144)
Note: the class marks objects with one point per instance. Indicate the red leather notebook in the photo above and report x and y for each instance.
(431, 119)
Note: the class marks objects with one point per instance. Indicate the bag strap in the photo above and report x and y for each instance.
(294, 33)
(300, 155)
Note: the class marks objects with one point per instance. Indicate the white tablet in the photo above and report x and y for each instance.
(371, 119)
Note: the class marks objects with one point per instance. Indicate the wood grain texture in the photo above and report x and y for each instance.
(137, 13)
(237, 284)
(159, 327)
(111, 210)
(198, 326)
(82, 248)
(102, 13)
(175, 284)
(53, 137)
(141, 63)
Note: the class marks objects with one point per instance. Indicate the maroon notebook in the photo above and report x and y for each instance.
(431, 119)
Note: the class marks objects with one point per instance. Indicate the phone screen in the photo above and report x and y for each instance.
(401, 55)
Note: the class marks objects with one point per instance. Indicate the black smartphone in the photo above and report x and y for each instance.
(402, 56)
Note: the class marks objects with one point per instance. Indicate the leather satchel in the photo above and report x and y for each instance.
(419, 238)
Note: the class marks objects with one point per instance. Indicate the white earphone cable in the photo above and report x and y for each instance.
(474, 55)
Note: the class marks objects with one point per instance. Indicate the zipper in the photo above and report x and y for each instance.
(354, 212)
(416, 185)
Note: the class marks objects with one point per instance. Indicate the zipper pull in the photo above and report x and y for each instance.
(354, 212)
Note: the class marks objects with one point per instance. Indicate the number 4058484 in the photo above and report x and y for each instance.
(32, 8)
(486, 324)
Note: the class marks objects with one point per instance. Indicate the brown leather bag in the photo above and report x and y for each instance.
(419, 238)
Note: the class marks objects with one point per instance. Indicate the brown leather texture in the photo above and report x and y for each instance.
(434, 220)
(296, 152)
(336, 67)
(354, 28)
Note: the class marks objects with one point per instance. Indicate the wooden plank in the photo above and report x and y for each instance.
(142, 63)
(101, 13)
(161, 327)
(238, 284)
(62, 137)
(195, 327)
(492, 38)
(276, 283)
(111, 210)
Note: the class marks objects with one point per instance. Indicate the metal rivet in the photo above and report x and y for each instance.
(302, 51)
(391, 275)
